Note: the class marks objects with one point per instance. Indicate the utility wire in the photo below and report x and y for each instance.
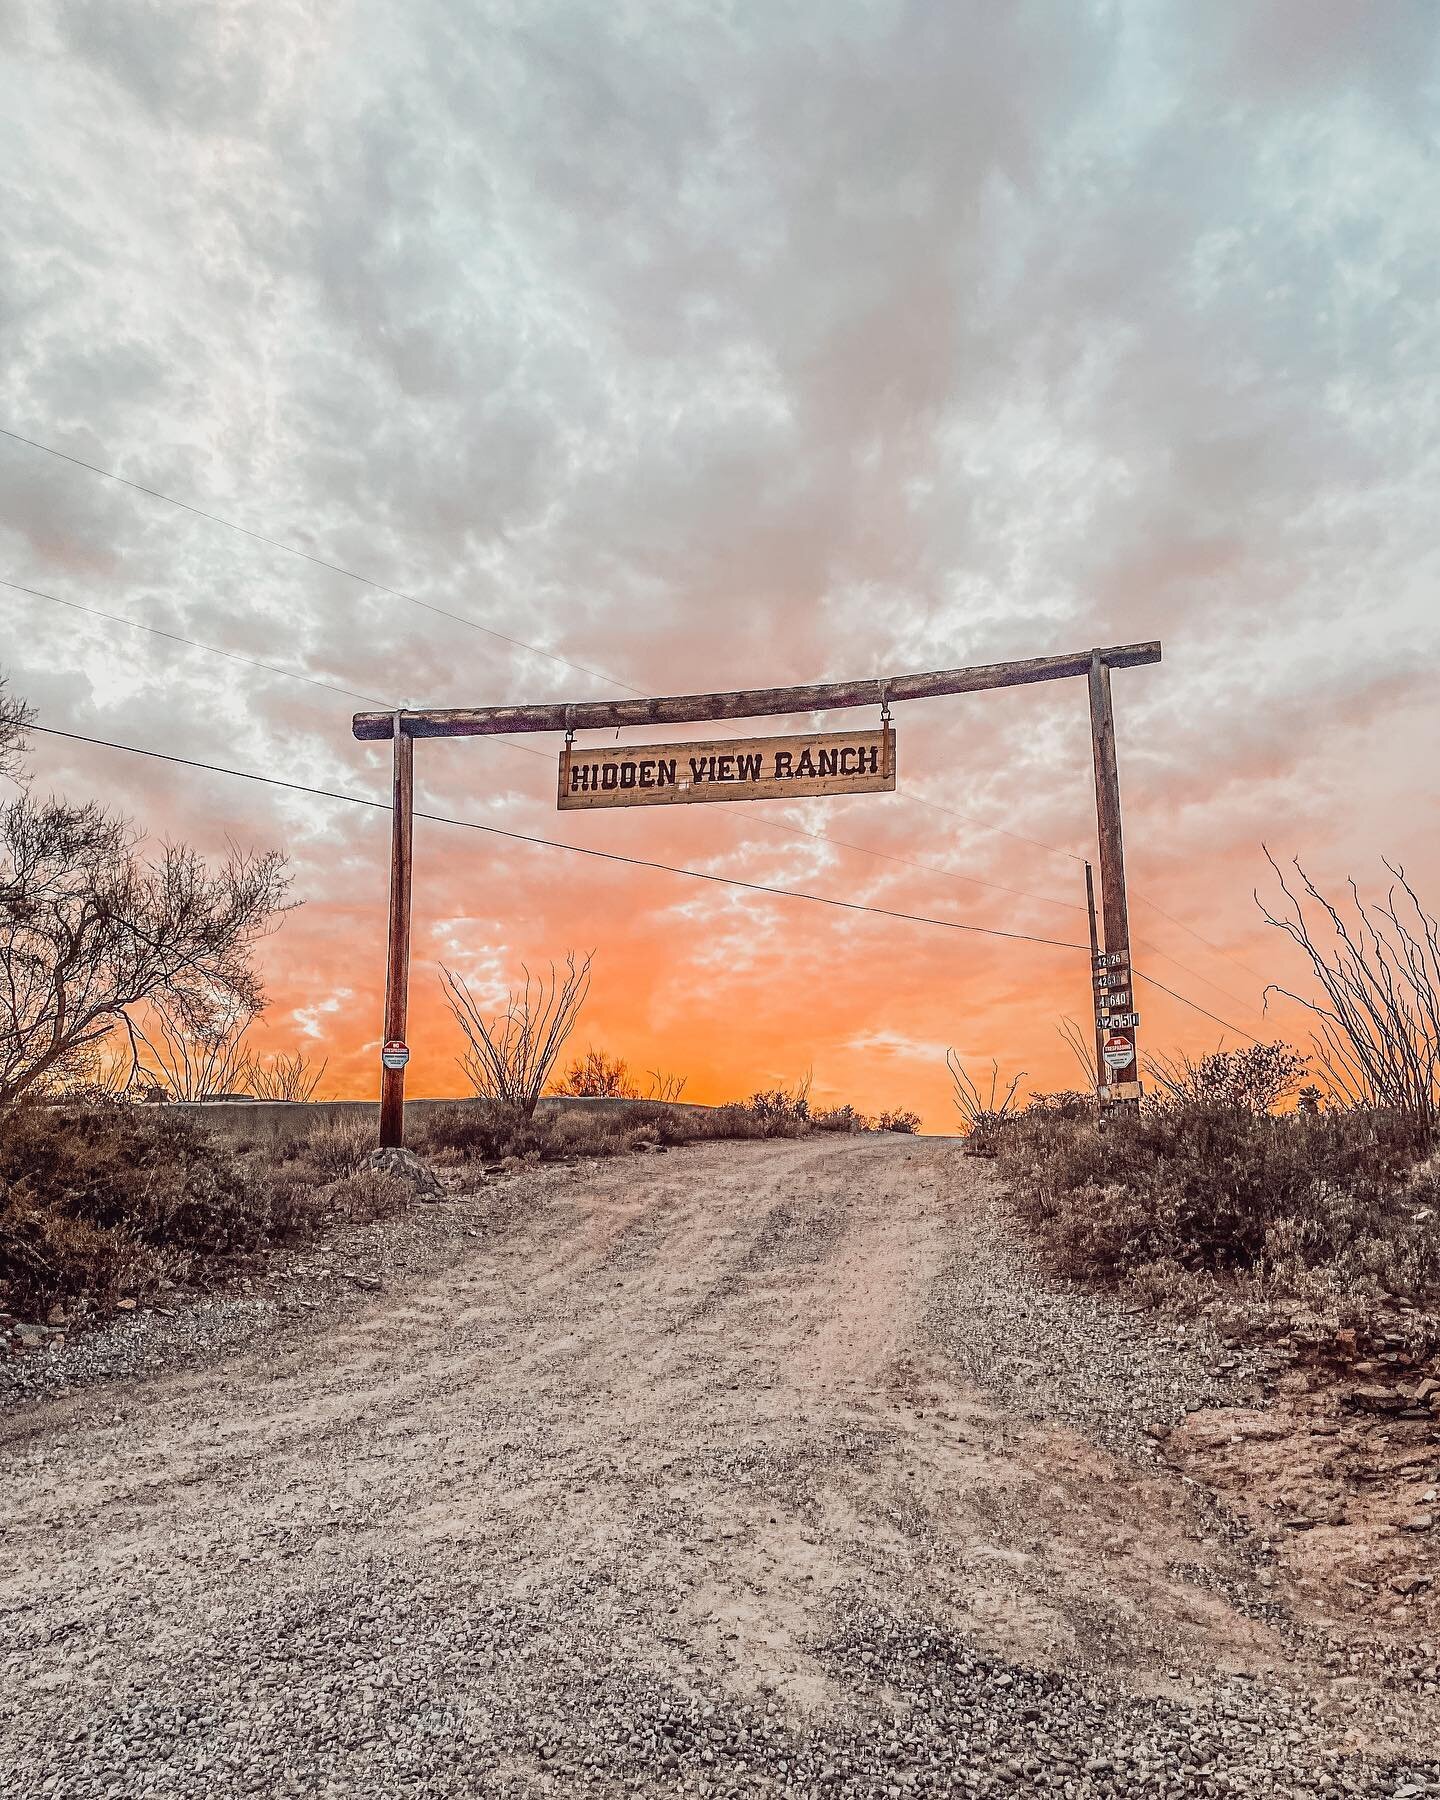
(520, 837)
(524, 749)
(822, 837)
(612, 856)
(564, 662)
(175, 637)
(1194, 1007)
(320, 561)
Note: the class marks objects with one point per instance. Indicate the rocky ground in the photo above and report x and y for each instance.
(751, 1468)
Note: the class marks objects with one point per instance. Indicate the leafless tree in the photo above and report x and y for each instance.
(1378, 1014)
(509, 1057)
(15, 719)
(91, 929)
(983, 1115)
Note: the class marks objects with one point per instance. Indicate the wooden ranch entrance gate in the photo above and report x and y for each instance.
(760, 769)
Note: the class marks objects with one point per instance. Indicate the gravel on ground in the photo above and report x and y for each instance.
(760, 1468)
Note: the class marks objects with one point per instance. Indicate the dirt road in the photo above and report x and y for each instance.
(753, 1468)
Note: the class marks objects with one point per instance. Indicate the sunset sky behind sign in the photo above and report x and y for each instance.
(715, 346)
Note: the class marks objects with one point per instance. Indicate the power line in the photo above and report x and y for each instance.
(524, 749)
(1194, 1007)
(579, 668)
(321, 562)
(175, 637)
(520, 837)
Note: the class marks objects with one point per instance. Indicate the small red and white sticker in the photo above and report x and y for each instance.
(394, 1054)
(1119, 1051)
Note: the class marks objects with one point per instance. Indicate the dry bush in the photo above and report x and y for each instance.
(841, 1118)
(596, 1076)
(1196, 1188)
(984, 1115)
(1257, 1078)
(1378, 971)
(509, 1057)
(908, 1123)
(781, 1112)
(470, 1132)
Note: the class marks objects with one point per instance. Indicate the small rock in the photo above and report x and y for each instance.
(1413, 1583)
(1418, 1522)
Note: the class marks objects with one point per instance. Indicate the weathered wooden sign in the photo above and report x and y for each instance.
(781, 768)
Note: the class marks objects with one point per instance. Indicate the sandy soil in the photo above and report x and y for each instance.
(715, 1428)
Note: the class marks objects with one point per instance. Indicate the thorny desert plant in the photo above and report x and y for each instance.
(983, 1115)
(1082, 1048)
(666, 1088)
(509, 1056)
(183, 1062)
(294, 1077)
(1256, 1079)
(1378, 1015)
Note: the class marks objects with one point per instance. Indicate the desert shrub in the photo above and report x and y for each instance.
(1199, 1188)
(841, 1118)
(105, 1196)
(1257, 1078)
(899, 1120)
(781, 1112)
(1068, 1103)
(596, 1076)
(487, 1132)
(110, 1198)
(333, 1150)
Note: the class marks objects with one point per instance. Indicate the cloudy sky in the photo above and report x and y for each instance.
(714, 345)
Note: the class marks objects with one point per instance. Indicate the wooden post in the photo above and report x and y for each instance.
(397, 971)
(1102, 1074)
(1112, 855)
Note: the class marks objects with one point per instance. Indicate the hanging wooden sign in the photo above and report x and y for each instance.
(781, 768)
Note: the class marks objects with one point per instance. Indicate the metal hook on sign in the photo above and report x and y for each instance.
(884, 703)
(569, 726)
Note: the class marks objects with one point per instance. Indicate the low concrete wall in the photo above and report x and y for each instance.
(287, 1117)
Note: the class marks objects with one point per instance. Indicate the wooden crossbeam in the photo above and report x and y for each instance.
(752, 703)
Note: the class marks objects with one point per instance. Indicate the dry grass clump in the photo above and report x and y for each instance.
(1199, 1188)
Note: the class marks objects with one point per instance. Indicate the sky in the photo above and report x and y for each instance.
(707, 346)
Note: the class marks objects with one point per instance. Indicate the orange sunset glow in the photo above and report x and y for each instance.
(781, 347)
